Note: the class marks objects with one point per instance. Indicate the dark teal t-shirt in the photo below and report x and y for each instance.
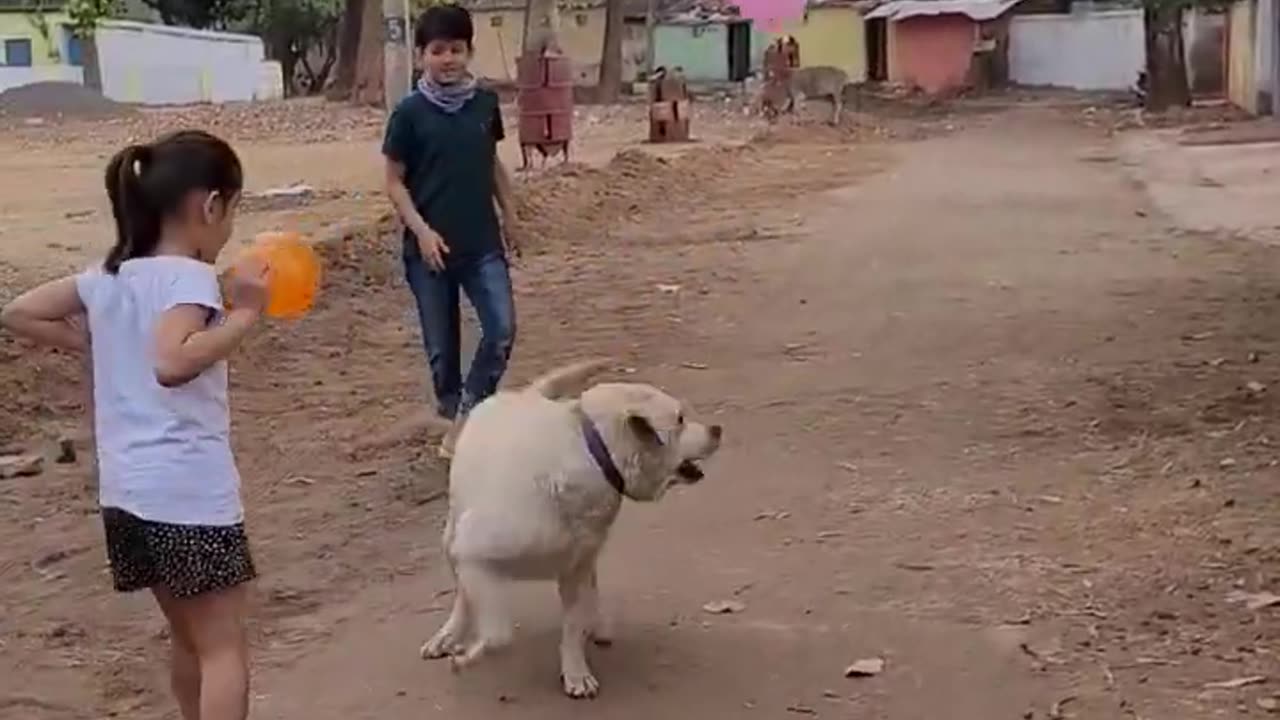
(449, 168)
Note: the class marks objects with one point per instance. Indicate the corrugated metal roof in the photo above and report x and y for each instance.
(630, 7)
(978, 10)
(685, 10)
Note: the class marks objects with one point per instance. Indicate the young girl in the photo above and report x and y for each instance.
(158, 340)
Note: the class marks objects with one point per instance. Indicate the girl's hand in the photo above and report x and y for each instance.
(247, 285)
(51, 314)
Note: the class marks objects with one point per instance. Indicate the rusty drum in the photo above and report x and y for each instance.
(544, 84)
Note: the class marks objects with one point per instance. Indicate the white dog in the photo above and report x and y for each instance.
(536, 482)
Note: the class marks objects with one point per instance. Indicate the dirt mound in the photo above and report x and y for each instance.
(574, 203)
(301, 120)
(58, 99)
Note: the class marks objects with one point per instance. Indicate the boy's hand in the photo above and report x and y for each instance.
(432, 246)
(512, 238)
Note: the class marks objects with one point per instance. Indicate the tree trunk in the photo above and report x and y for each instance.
(289, 71)
(89, 56)
(650, 25)
(1166, 60)
(370, 57)
(321, 78)
(348, 50)
(610, 87)
(318, 78)
(280, 49)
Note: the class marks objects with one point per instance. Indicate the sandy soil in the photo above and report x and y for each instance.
(993, 417)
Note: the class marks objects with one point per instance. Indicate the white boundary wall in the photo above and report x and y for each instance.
(162, 65)
(12, 77)
(1083, 51)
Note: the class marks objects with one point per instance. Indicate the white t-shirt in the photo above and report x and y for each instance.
(164, 454)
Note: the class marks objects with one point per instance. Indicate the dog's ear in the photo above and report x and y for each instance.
(643, 429)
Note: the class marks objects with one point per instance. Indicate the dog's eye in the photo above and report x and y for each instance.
(680, 419)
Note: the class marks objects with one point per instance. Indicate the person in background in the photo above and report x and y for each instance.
(444, 178)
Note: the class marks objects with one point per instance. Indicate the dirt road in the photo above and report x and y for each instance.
(920, 468)
(990, 418)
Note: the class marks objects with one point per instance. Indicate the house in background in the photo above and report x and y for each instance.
(499, 28)
(832, 32)
(37, 45)
(708, 46)
(1241, 32)
(942, 46)
(1253, 56)
(1101, 46)
(499, 37)
(687, 29)
(143, 63)
(1204, 35)
(1088, 47)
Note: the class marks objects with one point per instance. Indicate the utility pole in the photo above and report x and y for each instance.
(398, 65)
(650, 22)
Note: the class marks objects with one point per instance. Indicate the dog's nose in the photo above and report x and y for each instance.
(716, 431)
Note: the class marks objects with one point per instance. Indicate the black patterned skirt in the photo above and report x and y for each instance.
(186, 560)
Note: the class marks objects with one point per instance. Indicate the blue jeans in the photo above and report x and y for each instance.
(487, 283)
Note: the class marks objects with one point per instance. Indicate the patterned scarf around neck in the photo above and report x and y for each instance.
(449, 98)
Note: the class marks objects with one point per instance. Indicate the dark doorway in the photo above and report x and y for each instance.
(739, 51)
(878, 50)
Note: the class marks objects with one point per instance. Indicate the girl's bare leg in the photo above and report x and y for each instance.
(215, 623)
(184, 670)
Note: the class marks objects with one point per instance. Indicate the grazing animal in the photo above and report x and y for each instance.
(820, 81)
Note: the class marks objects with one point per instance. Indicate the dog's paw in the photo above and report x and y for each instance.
(440, 646)
(463, 658)
(580, 686)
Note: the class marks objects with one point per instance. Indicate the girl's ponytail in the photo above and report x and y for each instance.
(137, 218)
(147, 183)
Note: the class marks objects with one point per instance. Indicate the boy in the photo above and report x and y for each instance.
(443, 175)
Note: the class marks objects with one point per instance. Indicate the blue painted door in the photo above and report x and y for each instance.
(75, 51)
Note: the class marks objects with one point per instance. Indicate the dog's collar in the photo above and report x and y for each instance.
(600, 454)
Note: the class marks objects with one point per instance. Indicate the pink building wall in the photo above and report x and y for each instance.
(933, 52)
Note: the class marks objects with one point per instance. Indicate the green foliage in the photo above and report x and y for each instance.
(1166, 7)
(201, 13)
(295, 18)
(416, 7)
(295, 32)
(86, 14)
(40, 23)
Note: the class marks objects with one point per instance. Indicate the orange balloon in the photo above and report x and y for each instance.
(293, 272)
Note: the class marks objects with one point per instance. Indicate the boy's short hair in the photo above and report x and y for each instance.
(444, 22)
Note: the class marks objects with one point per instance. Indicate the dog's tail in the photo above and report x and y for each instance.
(570, 379)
